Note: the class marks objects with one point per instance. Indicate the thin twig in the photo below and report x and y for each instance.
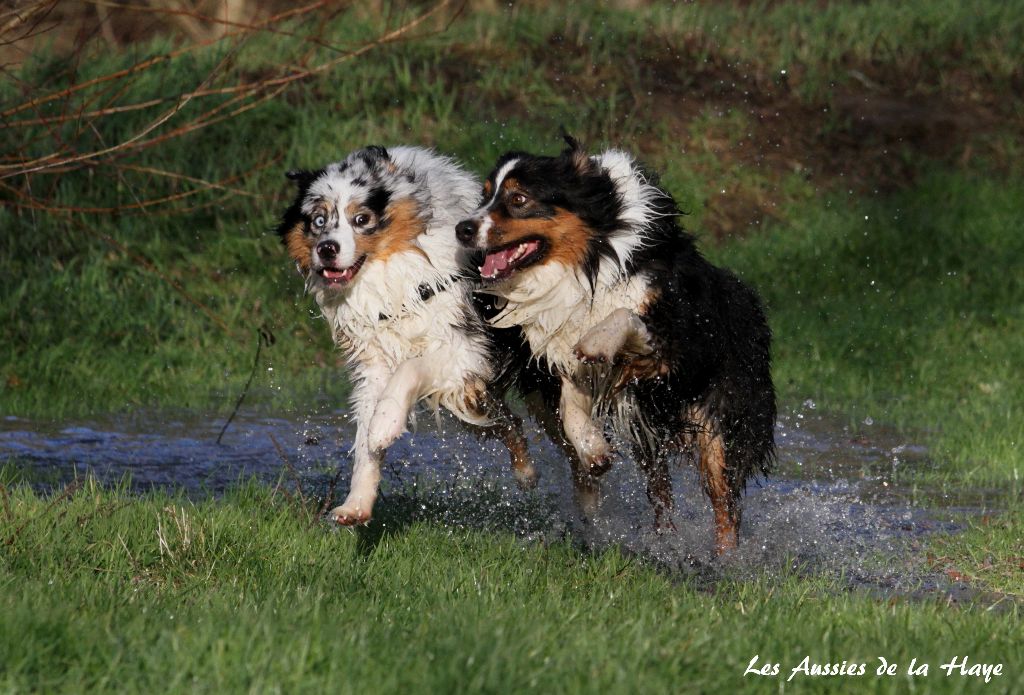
(30, 203)
(262, 335)
(148, 63)
(99, 113)
(41, 163)
(191, 179)
(331, 489)
(272, 87)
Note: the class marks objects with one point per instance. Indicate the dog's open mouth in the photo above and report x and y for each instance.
(503, 262)
(341, 276)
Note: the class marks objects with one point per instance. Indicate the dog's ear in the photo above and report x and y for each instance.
(301, 177)
(577, 155)
(378, 152)
(377, 156)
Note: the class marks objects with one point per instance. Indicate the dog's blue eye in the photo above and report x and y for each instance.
(319, 221)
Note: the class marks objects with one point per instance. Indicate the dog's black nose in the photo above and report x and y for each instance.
(465, 231)
(327, 250)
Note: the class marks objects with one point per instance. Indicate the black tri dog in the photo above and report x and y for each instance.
(586, 255)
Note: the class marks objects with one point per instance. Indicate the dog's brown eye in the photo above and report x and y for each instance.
(361, 220)
(517, 200)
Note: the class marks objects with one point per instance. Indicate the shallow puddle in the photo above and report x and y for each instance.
(838, 502)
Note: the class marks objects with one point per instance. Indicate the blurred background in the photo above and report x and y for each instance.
(859, 162)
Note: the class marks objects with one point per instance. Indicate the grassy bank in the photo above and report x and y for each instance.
(906, 309)
(858, 163)
(158, 304)
(103, 592)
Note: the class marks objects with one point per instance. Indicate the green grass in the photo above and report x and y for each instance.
(89, 326)
(104, 592)
(990, 551)
(906, 309)
(888, 262)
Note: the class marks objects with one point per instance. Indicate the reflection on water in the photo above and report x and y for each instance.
(836, 504)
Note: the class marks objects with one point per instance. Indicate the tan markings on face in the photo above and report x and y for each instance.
(323, 207)
(509, 184)
(401, 225)
(300, 246)
(488, 189)
(353, 209)
(566, 234)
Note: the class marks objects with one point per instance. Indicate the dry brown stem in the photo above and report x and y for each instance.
(60, 131)
(243, 96)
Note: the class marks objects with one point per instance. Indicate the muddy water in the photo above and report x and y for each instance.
(837, 504)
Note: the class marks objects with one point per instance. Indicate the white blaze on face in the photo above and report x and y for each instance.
(481, 215)
(334, 192)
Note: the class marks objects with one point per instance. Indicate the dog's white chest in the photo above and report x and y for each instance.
(555, 308)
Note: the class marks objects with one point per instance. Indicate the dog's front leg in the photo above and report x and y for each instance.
(405, 387)
(586, 437)
(358, 506)
(620, 336)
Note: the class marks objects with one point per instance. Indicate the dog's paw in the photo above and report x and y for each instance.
(599, 464)
(588, 499)
(593, 354)
(475, 396)
(350, 514)
(526, 477)
(598, 346)
(663, 524)
(725, 542)
(596, 454)
(386, 425)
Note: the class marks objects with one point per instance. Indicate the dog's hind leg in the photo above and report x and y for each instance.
(509, 427)
(724, 503)
(659, 487)
(620, 336)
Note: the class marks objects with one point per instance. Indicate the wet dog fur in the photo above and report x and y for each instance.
(586, 255)
(372, 237)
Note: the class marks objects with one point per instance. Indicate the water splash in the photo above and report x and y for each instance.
(838, 503)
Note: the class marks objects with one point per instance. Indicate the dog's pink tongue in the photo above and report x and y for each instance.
(494, 263)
